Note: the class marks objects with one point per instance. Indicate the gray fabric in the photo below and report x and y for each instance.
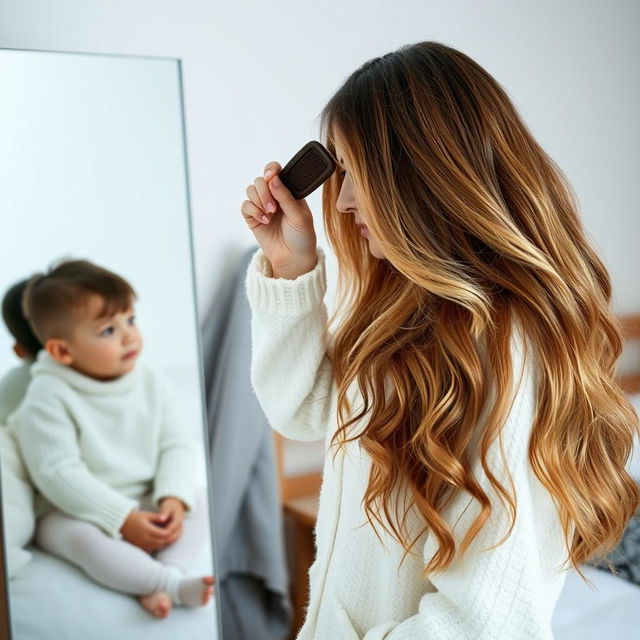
(248, 524)
(625, 558)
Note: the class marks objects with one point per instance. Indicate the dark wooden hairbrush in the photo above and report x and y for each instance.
(307, 170)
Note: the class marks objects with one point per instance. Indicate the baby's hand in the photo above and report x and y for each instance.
(173, 510)
(145, 530)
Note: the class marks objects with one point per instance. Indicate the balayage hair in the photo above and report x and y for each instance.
(480, 230)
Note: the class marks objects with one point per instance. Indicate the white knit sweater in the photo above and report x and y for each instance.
(94, 448)
(13, 386)
(358, 589)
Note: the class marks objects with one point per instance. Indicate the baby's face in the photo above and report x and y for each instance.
(104, 348)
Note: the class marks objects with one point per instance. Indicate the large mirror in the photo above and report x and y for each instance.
(105, 480)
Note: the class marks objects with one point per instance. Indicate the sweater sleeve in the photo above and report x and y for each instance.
(47, 438)
(177, 453)
(502, 593)
(291, 373)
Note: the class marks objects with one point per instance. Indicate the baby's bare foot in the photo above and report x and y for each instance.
(158, 603)
(207, 593)
(193, 593)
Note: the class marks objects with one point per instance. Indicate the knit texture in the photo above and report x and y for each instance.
(358, 587)
(94, 448)
(13, 386)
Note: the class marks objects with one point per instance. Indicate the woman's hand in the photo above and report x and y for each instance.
(282, 225)
(145, 530)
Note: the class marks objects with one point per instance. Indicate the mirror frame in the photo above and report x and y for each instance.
(5, 608)
(5, 614)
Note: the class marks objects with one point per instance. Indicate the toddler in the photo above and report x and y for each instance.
(104, 445)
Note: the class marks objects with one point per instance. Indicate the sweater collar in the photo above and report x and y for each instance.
(45, 364)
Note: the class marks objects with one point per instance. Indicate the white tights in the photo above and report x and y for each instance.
(123, 566)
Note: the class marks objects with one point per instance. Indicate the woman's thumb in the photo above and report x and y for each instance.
(287, 202)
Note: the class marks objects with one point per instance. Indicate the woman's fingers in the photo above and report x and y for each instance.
(254, 196)
(267, 202)
(289, 205)
(250, 211)
(266, 194)
(270, 169)
(259, 195)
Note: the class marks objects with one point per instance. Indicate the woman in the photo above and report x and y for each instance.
(476, 438)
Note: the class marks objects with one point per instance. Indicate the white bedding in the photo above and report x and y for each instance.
(612, 611)
(51, 598)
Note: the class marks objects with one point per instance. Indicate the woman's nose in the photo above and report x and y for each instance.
(346, 202)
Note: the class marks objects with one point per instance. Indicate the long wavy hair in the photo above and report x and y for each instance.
(480, 229)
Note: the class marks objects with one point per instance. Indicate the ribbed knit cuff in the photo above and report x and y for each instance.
(181, 490)
(281, 296)
(113, 517)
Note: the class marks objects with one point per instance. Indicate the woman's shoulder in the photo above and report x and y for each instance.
(45, 392)
(47, 385)
(18, 375)
(520, 398)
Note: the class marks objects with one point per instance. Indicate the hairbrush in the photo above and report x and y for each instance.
(307, 170)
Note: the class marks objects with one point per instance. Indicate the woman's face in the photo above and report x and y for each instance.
(347, 203)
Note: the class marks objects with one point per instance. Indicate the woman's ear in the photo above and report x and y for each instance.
(58, 350)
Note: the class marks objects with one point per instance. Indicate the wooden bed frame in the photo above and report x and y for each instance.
(630, 382)
(300, 494)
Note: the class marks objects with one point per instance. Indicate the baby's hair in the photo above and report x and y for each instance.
(15, 320)
(51, 299)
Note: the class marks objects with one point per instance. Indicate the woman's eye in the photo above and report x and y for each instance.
(107, 332)
(342, 173)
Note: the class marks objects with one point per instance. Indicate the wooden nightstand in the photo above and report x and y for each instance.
(299, 495)
(630, 382)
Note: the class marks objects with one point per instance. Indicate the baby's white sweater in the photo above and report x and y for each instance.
(357, 587)
(94, 448)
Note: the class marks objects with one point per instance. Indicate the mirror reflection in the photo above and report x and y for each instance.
(106, 510)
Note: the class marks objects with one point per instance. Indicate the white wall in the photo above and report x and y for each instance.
(258, 73)
(75, 125)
